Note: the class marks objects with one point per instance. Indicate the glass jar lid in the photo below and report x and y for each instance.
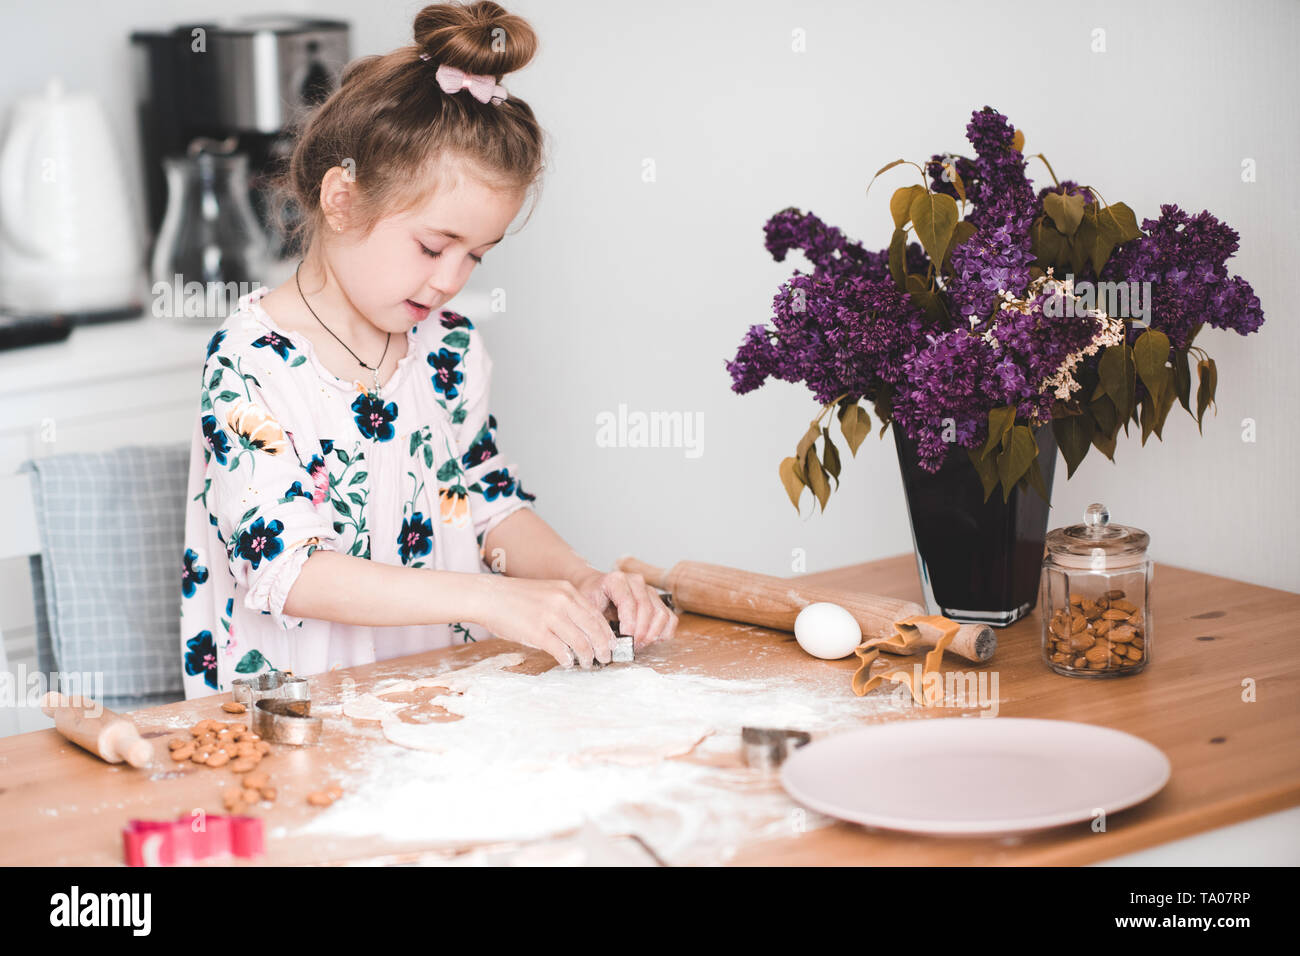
(1097, 544)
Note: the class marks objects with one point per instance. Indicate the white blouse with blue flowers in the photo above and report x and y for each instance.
(288, 458)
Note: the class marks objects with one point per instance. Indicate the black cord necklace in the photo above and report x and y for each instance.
(373, 368)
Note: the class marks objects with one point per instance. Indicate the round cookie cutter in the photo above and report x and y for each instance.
(284, 721)
(276, 684)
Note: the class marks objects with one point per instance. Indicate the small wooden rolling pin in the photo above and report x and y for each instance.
(735, 595)
(89, 724)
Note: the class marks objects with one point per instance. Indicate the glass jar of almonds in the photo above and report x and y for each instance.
(1096, 577)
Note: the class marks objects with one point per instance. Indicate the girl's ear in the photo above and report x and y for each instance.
(336, 196)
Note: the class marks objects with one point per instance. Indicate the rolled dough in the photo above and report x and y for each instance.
(625, 715)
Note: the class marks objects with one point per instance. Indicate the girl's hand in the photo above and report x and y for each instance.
(552, 616)
(641, 612)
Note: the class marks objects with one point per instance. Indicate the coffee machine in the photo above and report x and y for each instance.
(246, 80)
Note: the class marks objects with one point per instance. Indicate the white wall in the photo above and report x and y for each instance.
(620, 291)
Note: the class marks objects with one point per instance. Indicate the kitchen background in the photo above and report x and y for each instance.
(624, 292)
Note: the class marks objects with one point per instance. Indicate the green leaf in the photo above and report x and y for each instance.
(1121, 218)
(1020, 451)
(855, 424)
(1150, 353)
(987, 469)
(817, 482)
(1104, 442)
(1074, 437)
(884, 406)
(342, 508)
(935, 217)
(882, 170)
(900, 204)
(1118, 378)
(227, 396)
(1046, 243)
(1066, 211)
(356, 499)
(448, 470)
(1207, 379)
(898, 258)
(1080, 245)
(1038, 483)
(1000, 422)
(1182, 378)
(342, 455)
(298, 361)
(1163, 403)
(806, 443)
(1104, 414)
(932, 303)
(793, 483)
(830, 457)
(248, 514)
(457, 339)
(357, 479)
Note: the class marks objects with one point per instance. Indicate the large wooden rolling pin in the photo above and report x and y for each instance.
(735, 595)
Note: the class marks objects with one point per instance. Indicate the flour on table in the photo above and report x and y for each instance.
(622, 715)
(533, 756)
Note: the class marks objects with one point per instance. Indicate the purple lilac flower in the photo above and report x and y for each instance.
(848, 329)
(839, 330)
(997, 257)
(960, 375)
(1184, 258)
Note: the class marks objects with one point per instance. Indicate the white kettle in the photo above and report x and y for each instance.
(69, 239)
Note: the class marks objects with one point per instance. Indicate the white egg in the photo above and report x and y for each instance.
(827, 631)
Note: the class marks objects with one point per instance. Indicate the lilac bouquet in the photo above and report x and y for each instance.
(994, 311)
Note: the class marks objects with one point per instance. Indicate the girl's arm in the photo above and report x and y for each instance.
(352, 590)
(523, 545)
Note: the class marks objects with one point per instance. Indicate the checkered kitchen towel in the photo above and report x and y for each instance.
(107, 583)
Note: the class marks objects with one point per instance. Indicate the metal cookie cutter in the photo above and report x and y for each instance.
(766, 748)
(286, 721)
(276, 684)
(624, 647)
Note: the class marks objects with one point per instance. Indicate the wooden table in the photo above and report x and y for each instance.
(1232, 759)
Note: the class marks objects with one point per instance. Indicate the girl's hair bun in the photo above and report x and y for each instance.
(478, 37)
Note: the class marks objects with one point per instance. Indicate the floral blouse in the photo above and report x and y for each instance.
(287, 458)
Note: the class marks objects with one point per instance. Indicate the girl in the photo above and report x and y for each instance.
(346, 489)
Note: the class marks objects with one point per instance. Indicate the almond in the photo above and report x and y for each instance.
(1098, 655)
(233, 707)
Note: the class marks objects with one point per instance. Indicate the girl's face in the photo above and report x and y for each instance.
(412, 263)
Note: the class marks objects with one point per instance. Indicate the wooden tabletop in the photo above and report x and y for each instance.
(1213, 639)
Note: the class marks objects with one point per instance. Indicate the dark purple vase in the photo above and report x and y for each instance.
(979, 561)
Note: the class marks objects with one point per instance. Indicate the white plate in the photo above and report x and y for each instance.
(974, 775)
